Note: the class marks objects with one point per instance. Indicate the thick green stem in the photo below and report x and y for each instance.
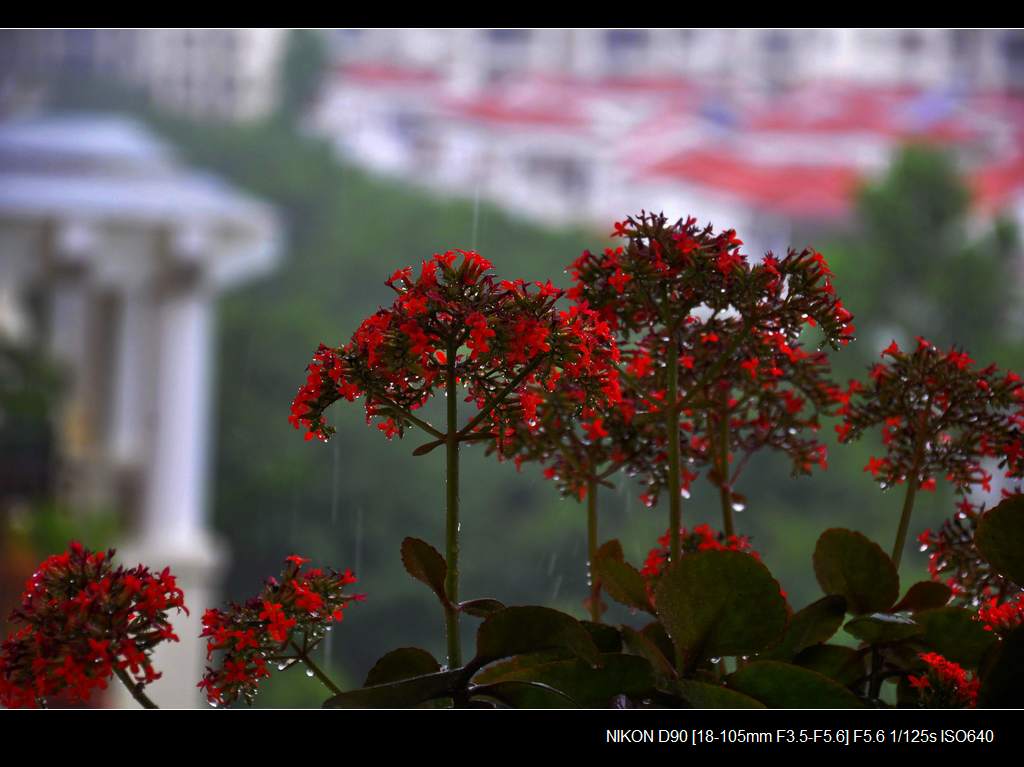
(875, 677)
(908, 509)
(595, 585)
(134, 688)
(913, 479)
(724, 490)
(451, 584)
(672, 426)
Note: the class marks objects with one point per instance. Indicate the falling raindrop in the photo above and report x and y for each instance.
(738, 506)
(334, 481)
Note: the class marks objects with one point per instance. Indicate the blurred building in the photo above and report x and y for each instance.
(227, 74)
(767, 131)
(111, 258)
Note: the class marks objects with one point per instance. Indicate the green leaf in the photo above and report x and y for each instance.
(955, 633)
(641, 644)
(883, 628)
(716, 603)
(481, 608)
(843, 664)
(623, 583)
(610, 550)
(704, 695)
(1000, 538)
(656, 633)
(924, 595)
(606, 638)
(783, 685)
(591, 688)
(403, 663)
(812, 625)
(1003, 683)
(517, 694)
(424, 563)
(520, 630)
(407, 693)
(848, 564)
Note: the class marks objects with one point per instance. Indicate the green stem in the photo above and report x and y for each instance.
(672, 425)
(724, 491)
(595, 585)
(908, 509)
(451, 584)
(134, 688)
(908, 500)
(317, 671)
(875, 677)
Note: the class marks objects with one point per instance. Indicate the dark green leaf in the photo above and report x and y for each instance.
(606, 638)
(782, 685)
(408, 693)
(623, 583)
(424, 563)
(611, 550)
(716, 603)
(848, 564)
(656, 633)
(704, 695)
(883, 628)
(640, 644)
(955, 633)
(924, 595)
(481, 608)
(519, 630)
(403, 663)
(812, 625)
(591, 688)
(843, 664)
(1000, 538)
(1003, 683)
(518, 694)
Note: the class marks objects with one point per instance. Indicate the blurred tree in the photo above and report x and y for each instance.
(920, 263)
(302, 70)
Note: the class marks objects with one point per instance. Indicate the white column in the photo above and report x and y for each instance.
(129, 406)
(176, 486)
(172, 531)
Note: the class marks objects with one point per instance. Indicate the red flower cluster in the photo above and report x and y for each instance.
(258, 633)
(1003, 617)
(701, 538)
(577, 445)
(516, 339)
(954, 560)
(667, 271)
(83, 621)
(940, 417)
(746, 382)
(944, 684)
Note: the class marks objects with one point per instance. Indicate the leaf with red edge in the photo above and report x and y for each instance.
(424, 563)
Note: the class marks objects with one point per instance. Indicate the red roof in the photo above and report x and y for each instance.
(387, 74)
(497, 109)
(798, 190)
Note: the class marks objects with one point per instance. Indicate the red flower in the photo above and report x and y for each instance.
(80, 619)
(301, 604)
(945, 684)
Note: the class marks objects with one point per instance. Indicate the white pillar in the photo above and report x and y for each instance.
(175, 496)
(129, 406)
(172, 531)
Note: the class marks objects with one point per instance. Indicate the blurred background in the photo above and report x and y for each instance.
(186, 214)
